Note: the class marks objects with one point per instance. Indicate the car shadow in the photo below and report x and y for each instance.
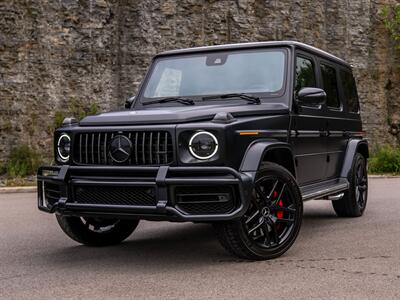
(171, 245)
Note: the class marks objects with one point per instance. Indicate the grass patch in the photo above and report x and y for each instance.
(23, 161)
(384, 159)
(20, 181)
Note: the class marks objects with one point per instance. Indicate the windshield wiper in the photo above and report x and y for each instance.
(185, 101)
(249, 98)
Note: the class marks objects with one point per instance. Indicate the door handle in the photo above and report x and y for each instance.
(324, 133)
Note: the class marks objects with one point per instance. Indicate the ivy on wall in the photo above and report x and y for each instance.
(391, 19)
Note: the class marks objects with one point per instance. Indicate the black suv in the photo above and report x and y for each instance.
(234, 135)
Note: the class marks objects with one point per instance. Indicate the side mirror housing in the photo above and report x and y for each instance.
(311, 96)
(129, 102)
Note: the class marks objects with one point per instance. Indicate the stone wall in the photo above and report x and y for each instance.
(66, 55)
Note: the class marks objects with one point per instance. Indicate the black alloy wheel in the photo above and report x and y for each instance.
(270, 218)
(273, 220)
(354, 200)
(361, 184)
(96, 231)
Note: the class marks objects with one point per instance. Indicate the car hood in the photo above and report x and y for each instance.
(168, 115)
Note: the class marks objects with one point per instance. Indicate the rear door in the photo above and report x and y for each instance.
(308, 126)
(336, 121)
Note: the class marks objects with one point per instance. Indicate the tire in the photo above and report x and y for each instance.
(96, 232)
(276, 197)
(354, 200)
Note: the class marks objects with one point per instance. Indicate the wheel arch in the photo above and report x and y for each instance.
(272, 151)
(362, 148)
(354, 146)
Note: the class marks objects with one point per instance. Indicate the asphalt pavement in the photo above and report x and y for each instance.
(333, 257)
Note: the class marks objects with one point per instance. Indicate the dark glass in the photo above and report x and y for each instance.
(329, 81)
(350, 91)
(305, 74)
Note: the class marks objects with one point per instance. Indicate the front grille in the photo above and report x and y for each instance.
(114, 195)
(148, 148)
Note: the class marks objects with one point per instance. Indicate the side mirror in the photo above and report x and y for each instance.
(311, 96)
(129, 102)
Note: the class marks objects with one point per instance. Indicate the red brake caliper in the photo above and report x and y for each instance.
(279, 213)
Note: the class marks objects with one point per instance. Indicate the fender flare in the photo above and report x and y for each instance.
(256, 151)
(353, 146)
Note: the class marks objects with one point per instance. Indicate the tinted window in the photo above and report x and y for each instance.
(329, 81)
(350, 91)
(305, 74)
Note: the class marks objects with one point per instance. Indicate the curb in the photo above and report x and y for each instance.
(18, 189)
(383, 176)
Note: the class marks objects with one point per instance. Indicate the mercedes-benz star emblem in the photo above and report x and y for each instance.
(120, 148)
(265, 212)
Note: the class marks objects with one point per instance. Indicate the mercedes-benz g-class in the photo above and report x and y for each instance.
(234, 135)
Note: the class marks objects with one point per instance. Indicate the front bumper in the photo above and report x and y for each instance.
(198, 194)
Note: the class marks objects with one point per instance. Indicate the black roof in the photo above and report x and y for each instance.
(295, 44)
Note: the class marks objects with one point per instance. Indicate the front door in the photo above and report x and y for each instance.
(308, 128)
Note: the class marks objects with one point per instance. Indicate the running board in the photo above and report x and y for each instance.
(322, 189)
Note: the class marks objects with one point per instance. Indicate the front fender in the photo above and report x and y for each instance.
(256, 152)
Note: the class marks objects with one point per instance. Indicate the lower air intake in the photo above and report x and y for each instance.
(115, 195)
(205, 200)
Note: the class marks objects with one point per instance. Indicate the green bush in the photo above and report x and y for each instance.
(80, 109)
(23, 161)
(58, 119)
(3, 169)
(76, 109)
(391, 19)
(384, 159)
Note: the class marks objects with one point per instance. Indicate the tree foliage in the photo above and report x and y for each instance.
(391, 19)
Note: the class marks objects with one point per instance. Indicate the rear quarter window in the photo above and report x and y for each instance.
(350, 91)
(329, 80)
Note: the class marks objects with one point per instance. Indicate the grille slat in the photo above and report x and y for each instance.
(143, 148)
(130, 158)
(136, 147)
(86, 148)
(158, 148)
(166, 147)
(151, 147)
(105, 148)
(92, 148)
(148, 148)
(99, 149)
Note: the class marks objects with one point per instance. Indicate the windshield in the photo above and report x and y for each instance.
(258, 72)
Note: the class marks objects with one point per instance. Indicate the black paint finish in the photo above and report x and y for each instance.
(315, 143)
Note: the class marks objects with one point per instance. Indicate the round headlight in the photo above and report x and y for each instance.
(203, 145)
(64, 147)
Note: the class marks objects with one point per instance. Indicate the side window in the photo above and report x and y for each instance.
(305, 74)
(350, 91)
(329, 80)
